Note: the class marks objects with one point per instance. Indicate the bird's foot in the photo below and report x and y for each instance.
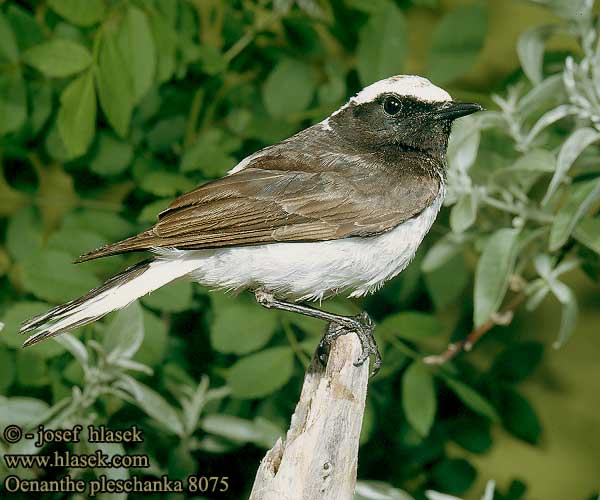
(363, 326)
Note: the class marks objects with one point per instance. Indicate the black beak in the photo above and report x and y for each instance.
(453, 110)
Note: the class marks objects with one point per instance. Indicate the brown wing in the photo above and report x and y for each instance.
(256, 206)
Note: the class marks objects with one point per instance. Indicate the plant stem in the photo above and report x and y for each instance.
(503, 317)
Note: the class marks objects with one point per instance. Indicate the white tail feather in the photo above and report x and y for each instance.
(115, 294)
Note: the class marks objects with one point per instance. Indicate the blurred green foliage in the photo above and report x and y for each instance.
(109, 108)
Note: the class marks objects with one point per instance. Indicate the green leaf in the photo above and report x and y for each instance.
(211, 154)
(241, 327)
(40, 95)
(418, 398)
(137, 46)
(58, 58)
(261, 374)
(112, 156)
(581, 198)
(211, 60)
(587, 232)
(173, 297)
(24, 233)
(125, 333)
(289, 88)
(150, 212)
(7, 370)
(493, 273)
(575, 144)
(410, 325)
(447, 282)
(456, 43)
(51, 275)
(154, 345)
(470, 432)
(108, 225)
(26, 29)
(77, 114)
(163, 183)
(463, 213)
(518, 361)
(8, 43)
(472, 399)
(530, 49)
(13, 101)
(14, 316)
(166, 46)
(519, 417)
(79, 12)
(115, 87)
(382, 45)
(453, 476)
(21, 411)
(32, 369)
(166, 133)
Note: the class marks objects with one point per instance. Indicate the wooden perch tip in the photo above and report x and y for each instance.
(318, 459)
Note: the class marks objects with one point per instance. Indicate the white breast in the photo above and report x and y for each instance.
(311, 271)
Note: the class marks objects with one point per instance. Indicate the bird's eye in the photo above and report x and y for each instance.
(391, 105)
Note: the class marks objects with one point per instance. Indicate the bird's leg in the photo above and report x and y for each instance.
(361, 324)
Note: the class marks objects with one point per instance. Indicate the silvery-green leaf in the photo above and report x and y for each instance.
(536, 160)
(581, 199)
(230, 427)
(441, 252)
(587, 232)
(378, 490)
(530, 49)
(569, 315)
(569, 152)
(192, 407)
(75, 347)
(551, 90)
(124, 334)
(537, 295)
(489, 490)
(20, 411)
(464, 213)
(463, 144)
(128, 364)
(493, 272)
(154, 405)
(545, 120)
(436, 495)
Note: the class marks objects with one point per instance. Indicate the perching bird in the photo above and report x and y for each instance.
(340, 207)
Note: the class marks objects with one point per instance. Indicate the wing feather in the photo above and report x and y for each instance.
(256, 206)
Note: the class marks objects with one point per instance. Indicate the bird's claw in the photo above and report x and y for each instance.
(363, 326)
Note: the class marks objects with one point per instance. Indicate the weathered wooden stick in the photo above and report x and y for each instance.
(318, 459)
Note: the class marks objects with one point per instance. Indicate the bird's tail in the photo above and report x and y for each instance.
(118, 292)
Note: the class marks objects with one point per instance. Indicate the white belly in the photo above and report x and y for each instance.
(312, 271)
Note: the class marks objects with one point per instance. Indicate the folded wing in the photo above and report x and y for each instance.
(257, 206)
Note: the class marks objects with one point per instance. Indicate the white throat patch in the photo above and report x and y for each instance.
(408, 85)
